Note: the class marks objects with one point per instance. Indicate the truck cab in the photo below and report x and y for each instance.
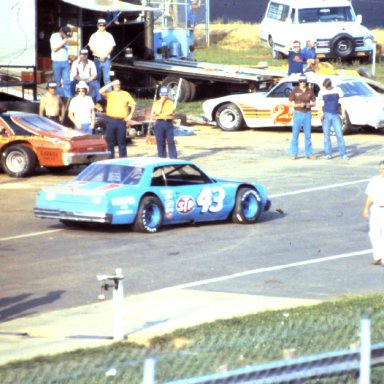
(333, 24)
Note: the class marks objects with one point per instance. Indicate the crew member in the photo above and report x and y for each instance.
(51, 104)
(164, 133)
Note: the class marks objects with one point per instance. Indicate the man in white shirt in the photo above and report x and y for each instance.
(101, 43)
(374, 210)
(60, 63)
(81, 109)
(84, 69)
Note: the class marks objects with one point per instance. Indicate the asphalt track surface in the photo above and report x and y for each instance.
(312, 244)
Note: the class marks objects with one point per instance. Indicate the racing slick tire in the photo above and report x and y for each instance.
(172, 82)
(18, 161)
(342, 46)
(229, 118)
(247, 208)
(149, 215)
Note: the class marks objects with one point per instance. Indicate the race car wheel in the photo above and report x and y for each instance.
(229, 118)
(343, 46)
(18, 161)
(247, 206)
(149, 216)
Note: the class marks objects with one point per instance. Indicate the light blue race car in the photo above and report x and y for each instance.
(149, 192)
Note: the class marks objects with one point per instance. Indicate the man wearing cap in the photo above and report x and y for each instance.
(119, 111)
(302, 99)
(163, 110)
(101, 44)
(84, 69)
(51, 104)
(81, 110)
(59, 56)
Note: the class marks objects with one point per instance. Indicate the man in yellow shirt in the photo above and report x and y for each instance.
(119, 111)
(163, 113)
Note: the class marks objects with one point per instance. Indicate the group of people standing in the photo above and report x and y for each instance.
(80, 85)
(302, 99)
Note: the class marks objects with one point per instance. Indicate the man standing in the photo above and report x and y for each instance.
(328, 101)
(81, 109)
(163, 113)
(374, 210)
(59, 56)
(84, 69)
(119, 111)
(296, 58)
(101, 44)
(302, 99)
(51, 104)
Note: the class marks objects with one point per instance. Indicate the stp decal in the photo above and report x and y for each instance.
(185, 204)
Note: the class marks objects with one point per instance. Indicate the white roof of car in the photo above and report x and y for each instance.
(314, 3)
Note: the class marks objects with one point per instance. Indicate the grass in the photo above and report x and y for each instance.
(217, 346)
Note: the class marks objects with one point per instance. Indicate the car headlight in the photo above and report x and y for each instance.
(368, 41)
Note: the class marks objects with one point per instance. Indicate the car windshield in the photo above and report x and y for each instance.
(112, 173)
(42, 124)
(355, 88)
(328, 14)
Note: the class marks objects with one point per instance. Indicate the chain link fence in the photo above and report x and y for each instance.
(219, 348)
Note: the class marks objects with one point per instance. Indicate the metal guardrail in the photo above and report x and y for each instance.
(295, 370)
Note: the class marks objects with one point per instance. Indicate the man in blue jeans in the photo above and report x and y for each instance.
(329, 99)
(60, 63)
(101, 43)
(302, 99)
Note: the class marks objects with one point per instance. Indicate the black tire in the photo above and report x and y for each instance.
(347, 126)
(247, 208)
(229, 118)
(100, 126)
(18, 161)
(343, 46)
(192, 90)
(149, 215)
(172, 82)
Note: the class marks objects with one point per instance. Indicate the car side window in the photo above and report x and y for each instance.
(178, 175)
(282, 90)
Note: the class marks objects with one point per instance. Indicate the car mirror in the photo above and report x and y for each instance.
(359, 19)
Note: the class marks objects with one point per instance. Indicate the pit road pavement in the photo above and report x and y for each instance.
(312, 245)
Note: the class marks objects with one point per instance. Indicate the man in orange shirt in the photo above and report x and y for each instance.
(119, 111)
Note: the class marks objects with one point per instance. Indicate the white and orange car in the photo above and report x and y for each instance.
(364, 105)
(28, 141)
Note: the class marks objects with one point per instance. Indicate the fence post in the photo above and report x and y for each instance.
(149, 371)
(118, 306)
(365, 351)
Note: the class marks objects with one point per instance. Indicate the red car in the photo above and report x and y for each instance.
(28, 141)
